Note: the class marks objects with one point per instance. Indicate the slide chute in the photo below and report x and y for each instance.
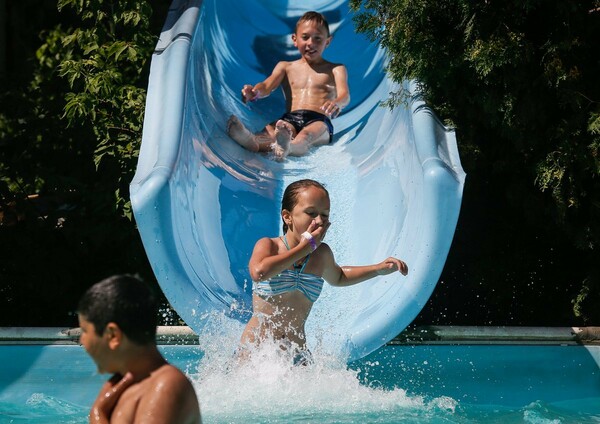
(201, 201)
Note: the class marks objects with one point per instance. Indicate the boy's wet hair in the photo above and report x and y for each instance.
(315, 17)
(125, 300)
(290, 195)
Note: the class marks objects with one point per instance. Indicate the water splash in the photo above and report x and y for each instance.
(267, 387)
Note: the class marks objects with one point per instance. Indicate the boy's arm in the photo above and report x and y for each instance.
(332, 108)
(350, 275)
(263, 89)
(108, 396)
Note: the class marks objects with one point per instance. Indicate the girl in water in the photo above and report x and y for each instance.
(288, 271)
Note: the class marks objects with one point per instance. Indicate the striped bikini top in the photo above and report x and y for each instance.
(288, 280)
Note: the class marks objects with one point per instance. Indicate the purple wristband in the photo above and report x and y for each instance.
(308, 236)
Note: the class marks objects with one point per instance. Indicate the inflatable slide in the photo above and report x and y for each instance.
(201, 201)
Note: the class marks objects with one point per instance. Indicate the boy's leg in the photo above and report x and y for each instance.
(314, 134)
(260, 142)
(284, 133)
(237, 131)
(266, 138)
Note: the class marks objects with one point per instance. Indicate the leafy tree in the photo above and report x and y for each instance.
(69, 138)
(519, 82)
(516, 79)
(103, 62)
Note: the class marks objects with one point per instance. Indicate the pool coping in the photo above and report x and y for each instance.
(429, 334)
(434, 334)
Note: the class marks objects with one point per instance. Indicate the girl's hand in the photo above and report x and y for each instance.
(318, 231)
(390, 265)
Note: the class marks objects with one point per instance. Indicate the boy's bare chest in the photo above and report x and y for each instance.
(304, 76)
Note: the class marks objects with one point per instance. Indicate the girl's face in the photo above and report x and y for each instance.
(312, 203)
(311, 40)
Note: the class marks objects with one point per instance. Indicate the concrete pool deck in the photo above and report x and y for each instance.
(432, 334)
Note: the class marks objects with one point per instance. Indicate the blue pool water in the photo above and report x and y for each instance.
(404, 383)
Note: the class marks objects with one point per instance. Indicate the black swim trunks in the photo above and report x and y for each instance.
(302, 117)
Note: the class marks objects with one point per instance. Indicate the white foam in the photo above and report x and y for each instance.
(266, 387)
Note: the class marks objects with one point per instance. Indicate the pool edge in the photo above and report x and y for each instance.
(430, 334)
(437, 334)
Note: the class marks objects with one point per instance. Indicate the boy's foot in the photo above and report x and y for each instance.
(283, 134)
(240, 134)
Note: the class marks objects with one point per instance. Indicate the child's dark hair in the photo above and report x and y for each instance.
(125, 300)
(315, 17)
(290, 195)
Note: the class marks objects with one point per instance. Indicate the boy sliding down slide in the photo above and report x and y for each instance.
(315, 91)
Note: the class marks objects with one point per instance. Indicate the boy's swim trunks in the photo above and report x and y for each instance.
(302, 117)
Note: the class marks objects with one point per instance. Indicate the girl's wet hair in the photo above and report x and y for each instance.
(315, 17)
(290, 195)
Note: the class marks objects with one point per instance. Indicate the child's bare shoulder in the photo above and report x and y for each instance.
(325, 252)
(166, 376)
(267, 243)
(331, 66)
(169, 372)
(284, 64)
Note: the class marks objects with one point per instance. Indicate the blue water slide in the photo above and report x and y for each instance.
(201, 201)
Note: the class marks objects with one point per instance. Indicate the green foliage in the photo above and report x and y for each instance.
(70, 130)
(103, 62)
(516, 79)
(87, 95)
(585, 304)
(519, 81)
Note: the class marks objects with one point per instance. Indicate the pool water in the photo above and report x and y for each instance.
(405, 383)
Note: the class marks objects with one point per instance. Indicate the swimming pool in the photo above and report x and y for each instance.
(431, 381)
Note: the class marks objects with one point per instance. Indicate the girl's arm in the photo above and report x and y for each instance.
(266, 262)
(350, 275)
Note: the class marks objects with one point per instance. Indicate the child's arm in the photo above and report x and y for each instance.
(332, 108)
(266, 262)
(108, 396)
(350, 275)
(263, 89)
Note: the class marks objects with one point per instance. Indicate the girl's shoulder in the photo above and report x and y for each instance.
(321, 260)
(324, 252)
(271, 243)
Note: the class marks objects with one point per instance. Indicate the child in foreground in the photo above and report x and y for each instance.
(288, 271)
(315, 91)
(118, 318)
